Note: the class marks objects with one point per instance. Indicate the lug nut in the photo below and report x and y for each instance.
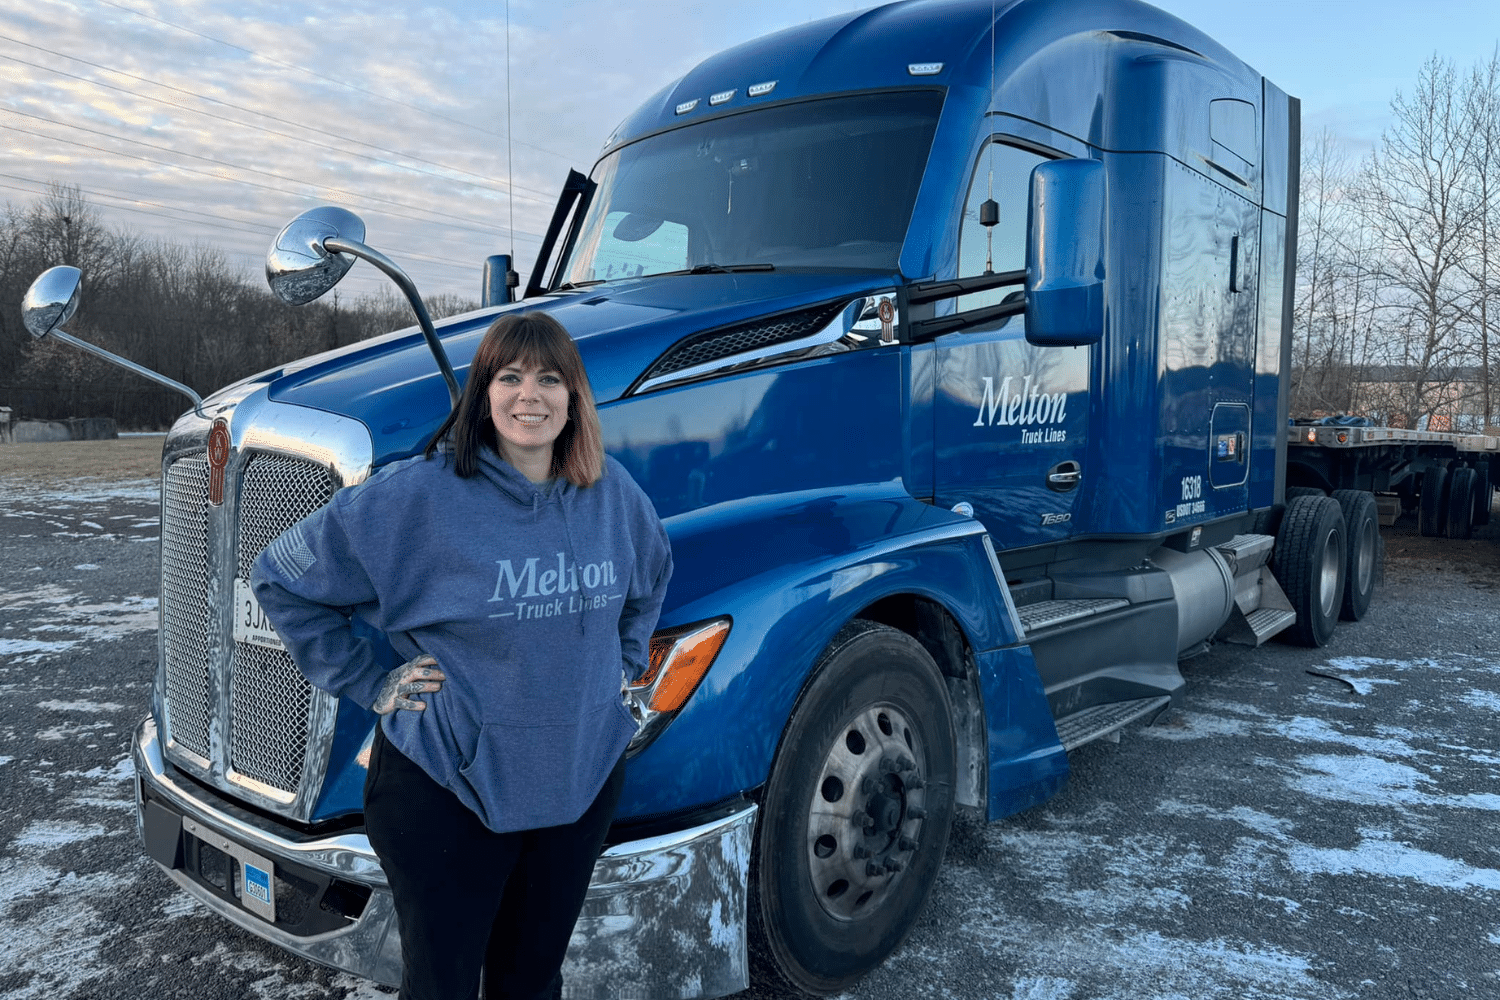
(860, 818)
(905, 844)
(873, 870)
(867, 785)
(915, 782)
(907, 764)
(887, 765)
(860, 852)
(916, 812)
(892, 865)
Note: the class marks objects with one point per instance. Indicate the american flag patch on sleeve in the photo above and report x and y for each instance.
(290, 555)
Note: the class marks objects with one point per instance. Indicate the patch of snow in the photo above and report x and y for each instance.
(1384, 858)
(1042, 988)
(30, 651)
(80, 706)
(47, 834)
(1305, 730)
(1196, 726)
(1482, 699)
(63, 924)
(85, 566)
(91, 524)
(1263, 823)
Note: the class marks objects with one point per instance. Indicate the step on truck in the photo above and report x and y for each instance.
(950, 341)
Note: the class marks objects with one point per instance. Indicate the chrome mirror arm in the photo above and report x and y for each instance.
(342, 244)
(68, 338)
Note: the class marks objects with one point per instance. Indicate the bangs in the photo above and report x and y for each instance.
(533, 345)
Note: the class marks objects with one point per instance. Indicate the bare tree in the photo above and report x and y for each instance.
(1415, 195)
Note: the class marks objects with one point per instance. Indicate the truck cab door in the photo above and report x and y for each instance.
(1010, 418)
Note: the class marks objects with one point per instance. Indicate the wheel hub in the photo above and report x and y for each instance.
(866, 812)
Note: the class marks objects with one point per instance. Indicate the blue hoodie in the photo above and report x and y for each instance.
(534, 599)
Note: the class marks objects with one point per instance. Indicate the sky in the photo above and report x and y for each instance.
(214, 122)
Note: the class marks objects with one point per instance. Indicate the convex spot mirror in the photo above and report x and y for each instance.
(1065, 253)
(51, 300)
(298, 267)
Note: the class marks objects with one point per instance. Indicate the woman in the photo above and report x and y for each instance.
(519, 572)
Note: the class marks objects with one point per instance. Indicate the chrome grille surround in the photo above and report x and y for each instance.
(247, 721)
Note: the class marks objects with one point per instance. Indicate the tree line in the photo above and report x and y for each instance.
(180, 310)
(1398, 262)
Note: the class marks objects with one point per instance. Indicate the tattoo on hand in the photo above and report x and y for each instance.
(419, 675)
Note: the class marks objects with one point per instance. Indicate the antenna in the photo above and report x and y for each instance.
(989, 211)
(512, 279)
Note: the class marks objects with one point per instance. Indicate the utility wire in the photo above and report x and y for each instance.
(321, 76)
(545, 196)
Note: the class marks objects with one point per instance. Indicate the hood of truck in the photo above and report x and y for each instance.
(393, 386)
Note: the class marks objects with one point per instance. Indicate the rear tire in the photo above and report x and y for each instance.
(1293, 492)
(856, 814)
(1482, 487)
(1309, 562)
(1434, 500)
(1459, 522)
(1362, 536)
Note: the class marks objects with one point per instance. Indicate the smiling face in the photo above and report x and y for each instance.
(529, 407)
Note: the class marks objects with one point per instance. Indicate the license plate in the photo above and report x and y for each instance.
(257, 874)
(250, 623)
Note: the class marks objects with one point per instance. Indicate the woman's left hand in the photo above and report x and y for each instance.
(419, 675)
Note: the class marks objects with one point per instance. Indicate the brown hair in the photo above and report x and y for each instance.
(530, 338)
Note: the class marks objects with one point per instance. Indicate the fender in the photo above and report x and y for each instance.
(802, 565)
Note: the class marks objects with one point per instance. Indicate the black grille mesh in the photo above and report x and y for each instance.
(702, 348)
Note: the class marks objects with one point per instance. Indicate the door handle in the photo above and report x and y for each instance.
(1064, 476)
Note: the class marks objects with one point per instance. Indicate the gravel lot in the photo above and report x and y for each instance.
(1307, 824)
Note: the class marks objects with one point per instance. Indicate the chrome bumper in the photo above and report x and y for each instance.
(664, 917)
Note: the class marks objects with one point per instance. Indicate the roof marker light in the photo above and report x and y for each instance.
(687, 106)
(761, 89)
(721, 97)
(924, 69)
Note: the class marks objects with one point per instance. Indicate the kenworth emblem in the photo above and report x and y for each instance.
(218, 458)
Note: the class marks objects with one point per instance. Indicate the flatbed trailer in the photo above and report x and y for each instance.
(1447, 478)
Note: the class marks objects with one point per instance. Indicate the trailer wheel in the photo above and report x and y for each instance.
(1482, 488)
(1362, 535)
(856, 814)
(1434, 500)
(1309, 563)
(1460, 516)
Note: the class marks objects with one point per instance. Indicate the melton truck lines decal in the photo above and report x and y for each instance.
(1028, 405)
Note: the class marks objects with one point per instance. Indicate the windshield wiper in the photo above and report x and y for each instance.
(569, 285)
(717, 269)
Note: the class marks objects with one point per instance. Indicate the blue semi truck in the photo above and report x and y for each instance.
(951, 341)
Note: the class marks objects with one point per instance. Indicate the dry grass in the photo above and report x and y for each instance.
(57, 462)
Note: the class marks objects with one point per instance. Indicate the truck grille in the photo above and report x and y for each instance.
(269, 699)
(265, 742)
(186, 618)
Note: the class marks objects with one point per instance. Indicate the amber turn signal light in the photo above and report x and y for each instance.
(679, 660)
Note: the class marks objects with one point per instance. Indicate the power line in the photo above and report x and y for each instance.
(491, 232)
(321, 76)
(481, 182)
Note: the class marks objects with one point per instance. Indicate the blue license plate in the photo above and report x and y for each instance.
(257, 883)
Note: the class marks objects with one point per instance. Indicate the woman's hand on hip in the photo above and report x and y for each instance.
(419, 675)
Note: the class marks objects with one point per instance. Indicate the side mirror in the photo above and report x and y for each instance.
(298, 267)
(317, 248)
(51, 300)
(1065, 253)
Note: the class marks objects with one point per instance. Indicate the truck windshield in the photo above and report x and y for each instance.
(817, 184)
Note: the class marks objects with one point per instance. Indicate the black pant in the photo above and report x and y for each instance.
(467, 897)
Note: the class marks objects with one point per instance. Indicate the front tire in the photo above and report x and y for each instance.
(857, 811)
(1434, 501)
